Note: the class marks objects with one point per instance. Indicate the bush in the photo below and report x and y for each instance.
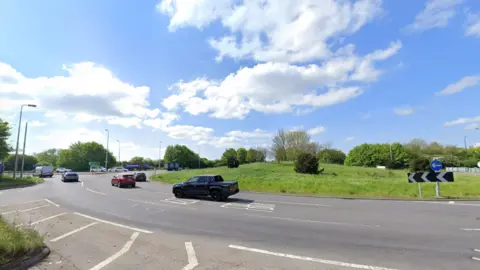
(306, 163)
(469, 163)
(232, 162)
(419, 164)
(331, 156)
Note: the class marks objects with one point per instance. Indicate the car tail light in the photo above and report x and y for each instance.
(230, 188)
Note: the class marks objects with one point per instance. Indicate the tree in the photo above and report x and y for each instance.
(251, 155)
(4, 135)
(29, 162)
(182, 155)
(419, 164)
(279, 147)
(306, 163)
(48, 157)
(242, 155)
(331, 156)
(80, 154)
(298, 142)
(261, 155)
(371, 155)
(137, 160)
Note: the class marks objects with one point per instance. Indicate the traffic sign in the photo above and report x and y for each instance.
(430, 177)
(436, 165)
(94, 164)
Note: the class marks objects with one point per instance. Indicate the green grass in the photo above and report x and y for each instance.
(348, 181)
(15, 243)
(8, 181)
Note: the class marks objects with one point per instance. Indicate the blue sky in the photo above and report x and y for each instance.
(215, 74)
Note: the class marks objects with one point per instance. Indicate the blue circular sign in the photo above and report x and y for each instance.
(436, 165)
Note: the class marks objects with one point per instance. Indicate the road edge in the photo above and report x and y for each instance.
(28, 260)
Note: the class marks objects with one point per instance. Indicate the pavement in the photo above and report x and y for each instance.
(92, 225)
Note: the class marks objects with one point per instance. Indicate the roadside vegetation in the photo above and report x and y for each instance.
(337, 180)
(16, 243)
(7, 181)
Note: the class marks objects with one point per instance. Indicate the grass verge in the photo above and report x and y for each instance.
(7, 181)
(337, 180)
(16, 243)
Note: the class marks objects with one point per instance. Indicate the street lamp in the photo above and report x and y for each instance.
(119, 152)
(18, 137)
(465, 141)
(106, 152)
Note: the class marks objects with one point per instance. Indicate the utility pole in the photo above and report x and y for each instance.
(24, 144)
(465, 141)
(159, 154)
(119, 153)
(18, 138)
(106, 152)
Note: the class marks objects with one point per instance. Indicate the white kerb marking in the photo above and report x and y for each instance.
(72, 232)
(192, 258)
(25, 210)
(94, 191)
(52, 203)
(424, 177)
(45, 219)
(315, 221)
(115, 256)
(303, 258)
(410, 177)
(113, 223)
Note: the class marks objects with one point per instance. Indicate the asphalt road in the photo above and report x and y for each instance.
(92, 225)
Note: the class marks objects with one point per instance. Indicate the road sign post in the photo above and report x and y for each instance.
(436, 166)
(430, 177)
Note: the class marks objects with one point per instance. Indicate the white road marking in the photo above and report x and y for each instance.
(25, 210)
(192, 259)
(470, 229)
(82, 183)
(113, 223)
(476, 258)
(154, 203)
(303, 258)
(72, 232)
(45, 219)
(448, 203)
(180, 201)
(297, 203)
(115, 256)
(476, 250)
(315, 221)
(250, 206)
(52, 203)
(21, 203)
(94, 191)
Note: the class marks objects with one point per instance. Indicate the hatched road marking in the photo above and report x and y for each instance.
(94, 191)
(303, 258)
(192, 258)
(72, 232)
(52, 203)
(250, 206)
(115, 256)
(113, 223)
(181, 201)
(24, 210)
(45, 219)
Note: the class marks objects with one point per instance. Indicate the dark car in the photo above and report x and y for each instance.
(70, 177)
(206, 185)
(124, 180)
(140, 177)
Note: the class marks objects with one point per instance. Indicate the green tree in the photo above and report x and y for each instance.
(136, 160)
(306, 163)
(4, 135)
(229, 157)
(331, 156)
(260, 155)
(80, 154)
(251, 155)
(29, 163)
(181, 155)
(48, 157)
(242, 155)
(371, 155)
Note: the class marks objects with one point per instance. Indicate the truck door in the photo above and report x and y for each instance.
(202, 185)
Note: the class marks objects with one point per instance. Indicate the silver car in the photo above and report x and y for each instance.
(70, 177)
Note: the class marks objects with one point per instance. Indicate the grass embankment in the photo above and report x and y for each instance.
(7, 181)
(16, 243)
(348, 181)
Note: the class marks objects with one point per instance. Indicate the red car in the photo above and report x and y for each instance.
(124, 179)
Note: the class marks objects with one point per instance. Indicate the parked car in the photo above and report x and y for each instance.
(117, 169)
(140, 177)
(98, 169)
(123, 180)
(206, 185)
(70, 176)
(43, 171)
(62, 170)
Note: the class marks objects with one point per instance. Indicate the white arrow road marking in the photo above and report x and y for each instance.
(192, 259)
(424, 177)
(290, 256)
(410, 177)
(440, 177)
(115, 256)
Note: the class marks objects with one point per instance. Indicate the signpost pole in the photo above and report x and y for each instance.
(437, 190)
(436, 166)
(420, 190)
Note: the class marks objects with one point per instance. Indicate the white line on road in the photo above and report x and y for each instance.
(476, 258)
(449, 203)
(45, 219)
(164, 204)
(315, 221)
(21, 203)
(192, 259)
(115, 256)
(470, 229)
(303, 258)
(94, 191)
(297, 203)
(113, 223)
(82, 183)
(72, 232)
(52, 203)
(25, 210)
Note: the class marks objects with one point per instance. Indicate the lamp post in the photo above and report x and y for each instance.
(159, 154)
(465, 141)
(119, 152)
(18, 138)
(24, 145)
(106, 152)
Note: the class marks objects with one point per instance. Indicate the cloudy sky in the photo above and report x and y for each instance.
(212, 74)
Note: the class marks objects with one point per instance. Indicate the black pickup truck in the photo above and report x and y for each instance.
(206, 185)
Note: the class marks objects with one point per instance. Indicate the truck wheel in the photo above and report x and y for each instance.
(216, 196)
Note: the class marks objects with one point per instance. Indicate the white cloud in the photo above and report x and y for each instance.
(348, 139)
(64, 138)
(296, 128)
(463, 120)
(437, 14)
(88, 92)
(473, 25)
(472, 126)
(36, 123)
(279, 87)
(366, 115)
(403, 111)
(462, 84)
(316, 130)
(270, 30)
(257, 133)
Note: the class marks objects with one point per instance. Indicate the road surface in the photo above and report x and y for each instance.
(92, 225)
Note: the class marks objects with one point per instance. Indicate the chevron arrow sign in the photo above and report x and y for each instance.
(424, 177)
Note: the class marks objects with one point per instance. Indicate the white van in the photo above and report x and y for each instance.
(43, 171)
